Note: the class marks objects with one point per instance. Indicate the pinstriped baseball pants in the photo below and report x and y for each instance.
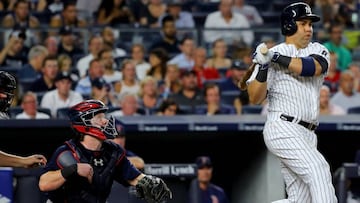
(306, 172)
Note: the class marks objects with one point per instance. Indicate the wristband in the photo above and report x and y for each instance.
(69, 171)
(280, 59)
(261, 76)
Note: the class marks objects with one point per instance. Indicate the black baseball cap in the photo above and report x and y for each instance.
(203, 161)
(63, 75)
(100, 83)
(238, 64)
(174, 3)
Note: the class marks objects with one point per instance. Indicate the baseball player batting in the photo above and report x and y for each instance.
(290, 75)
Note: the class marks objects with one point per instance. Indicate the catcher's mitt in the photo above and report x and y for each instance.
(153, 190)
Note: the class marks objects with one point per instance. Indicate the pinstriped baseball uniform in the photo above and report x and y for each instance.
(306, 172)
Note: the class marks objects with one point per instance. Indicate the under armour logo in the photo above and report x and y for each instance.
(98, 162)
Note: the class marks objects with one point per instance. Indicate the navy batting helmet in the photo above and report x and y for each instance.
(293, 13)
(80, 117)
(7, 87)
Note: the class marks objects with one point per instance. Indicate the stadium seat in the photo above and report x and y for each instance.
(354, 110)
(228, 97)
(62, 113)
(251, 109)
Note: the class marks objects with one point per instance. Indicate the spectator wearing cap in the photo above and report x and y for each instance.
(101, 90)
(62, 96)
(190, 95)
(96, 70)
(183, 19)
(15, 52)
(202, 190)
(49, 71)
(236, 73)
(67, 42)
(29, 105)
(203, 72)
(213, 104)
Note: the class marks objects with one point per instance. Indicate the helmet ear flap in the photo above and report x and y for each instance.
(288, 26)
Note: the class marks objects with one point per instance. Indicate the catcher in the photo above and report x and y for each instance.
(84, 168)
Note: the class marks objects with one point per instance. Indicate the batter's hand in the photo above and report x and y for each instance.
(261, 58)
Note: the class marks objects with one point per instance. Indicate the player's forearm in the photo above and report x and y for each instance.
(11, 160)
(296, 65)
(257, 92)
(51, 180)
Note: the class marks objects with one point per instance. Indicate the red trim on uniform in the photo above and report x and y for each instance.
(120, 158)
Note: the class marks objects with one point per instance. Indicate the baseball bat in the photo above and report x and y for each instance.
(242, 83)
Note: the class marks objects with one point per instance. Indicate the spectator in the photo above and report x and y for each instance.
(169, 40)
(29, 104)
(36, 57)
(115, 12)
(183, 19)
(111, 75)
(67, 43)
(225, 18)
(14, 53)
(95, 46)
(128, 104)
(185, 60)
(87, 10)
(354, 67)
(190, 95)
(96, 70)
(171, 83)
(346, 97)
(129, 82)
(67, 17)
(62, 96)
(150, 14)
(213, 104)
(243, 53)
(202, 190)
(345, 12)
(158, 59)
(203, 72)
(138, 57)
(101, 90)
(66, 66)
(219, 59)
(21, 17)
(334, 44)
(250, 12)
(110, 41)
(149, 97)
(326, 107)
(51, 44)
(168, 107)
(46, 81)
(333, 74)
(236, 72)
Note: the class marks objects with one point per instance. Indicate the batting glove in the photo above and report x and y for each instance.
(260, 58)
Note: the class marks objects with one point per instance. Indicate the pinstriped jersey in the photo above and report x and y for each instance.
(4, 115)
(290, 93)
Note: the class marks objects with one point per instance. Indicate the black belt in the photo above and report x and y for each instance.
(310, 126)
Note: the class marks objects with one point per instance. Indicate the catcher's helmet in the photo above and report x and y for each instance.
(294, 12)
(7, 87)
(80, 116)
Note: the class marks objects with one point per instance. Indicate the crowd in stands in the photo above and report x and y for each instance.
(64, 51)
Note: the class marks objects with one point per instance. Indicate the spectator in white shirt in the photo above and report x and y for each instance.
(225, 18)
(138, 57)
(95, 46)
(62, 96)
(249, 11)
(29, 104)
